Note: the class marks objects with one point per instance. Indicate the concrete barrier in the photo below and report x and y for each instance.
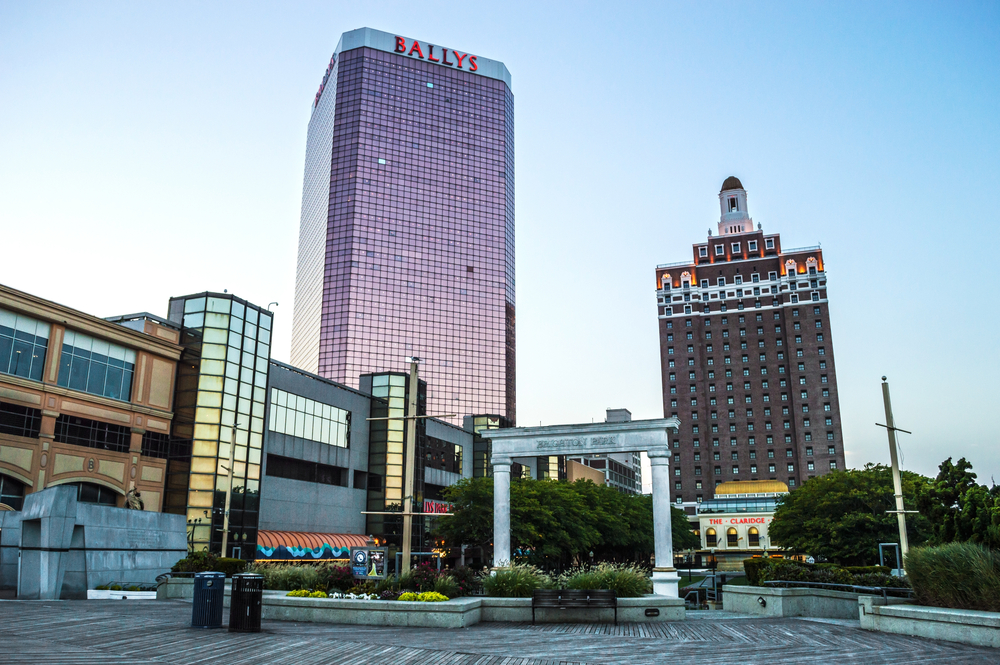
(456, 613)
(796, 602)
(937, 623)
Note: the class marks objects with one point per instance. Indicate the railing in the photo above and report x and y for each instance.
(895, 592)
(800, 249)
(675, 264)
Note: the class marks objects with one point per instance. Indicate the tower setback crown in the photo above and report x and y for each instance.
(733, 205)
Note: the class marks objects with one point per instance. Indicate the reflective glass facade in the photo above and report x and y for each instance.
(23, 342)
(306, 418)
(221, 391)
(407, 236)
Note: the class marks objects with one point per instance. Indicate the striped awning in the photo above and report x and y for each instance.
(309, 539)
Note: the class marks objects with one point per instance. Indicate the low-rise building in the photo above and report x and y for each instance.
(733, 525)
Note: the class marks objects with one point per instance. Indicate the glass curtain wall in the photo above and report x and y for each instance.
(387, 454)
(221, 390)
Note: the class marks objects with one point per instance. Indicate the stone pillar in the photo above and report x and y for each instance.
(665, 577)
(501, 512)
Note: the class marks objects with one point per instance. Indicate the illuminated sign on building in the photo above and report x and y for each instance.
(436, 506)
(416, 48)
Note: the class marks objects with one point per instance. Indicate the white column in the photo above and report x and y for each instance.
(501, 512)
(665, 577)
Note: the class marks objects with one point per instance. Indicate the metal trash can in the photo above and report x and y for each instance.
(245, 603)
(209, 594)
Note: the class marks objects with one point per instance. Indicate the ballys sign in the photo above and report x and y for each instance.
(456, 59)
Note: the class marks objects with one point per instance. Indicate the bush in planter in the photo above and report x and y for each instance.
(424, 577)
(467, 579)
(627, 580)
(204, 562)
(336, 575)
(518, 581)
(431, 597)
(408, 596)
(962, 576)
(754, 568)
(447, 586)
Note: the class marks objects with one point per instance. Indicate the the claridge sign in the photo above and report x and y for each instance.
(415, 48)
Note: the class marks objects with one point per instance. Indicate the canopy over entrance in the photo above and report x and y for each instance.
(650, 436)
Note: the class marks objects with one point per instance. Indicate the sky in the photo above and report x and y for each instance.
(155, 149)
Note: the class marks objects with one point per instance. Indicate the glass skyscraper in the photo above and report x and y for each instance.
(406, 242)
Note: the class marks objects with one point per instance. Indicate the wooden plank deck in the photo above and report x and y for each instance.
(118, 632)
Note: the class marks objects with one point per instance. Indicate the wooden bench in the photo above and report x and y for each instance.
(571, 598)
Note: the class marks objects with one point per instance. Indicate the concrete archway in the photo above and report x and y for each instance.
(651, 436)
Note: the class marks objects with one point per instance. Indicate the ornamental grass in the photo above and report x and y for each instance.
(964, 576)
(627, 580)
(518, 581)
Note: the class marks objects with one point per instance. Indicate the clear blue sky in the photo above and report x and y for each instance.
(156, 148)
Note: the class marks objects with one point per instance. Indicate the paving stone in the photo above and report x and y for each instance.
(115, 632)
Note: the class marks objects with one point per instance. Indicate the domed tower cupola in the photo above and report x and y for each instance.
(733, 202)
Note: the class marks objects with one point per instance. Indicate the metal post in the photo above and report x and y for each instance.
(229, 490)
(411, 456)
(897, 483)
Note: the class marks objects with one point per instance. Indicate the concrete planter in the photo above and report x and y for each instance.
(965, 626)
(820, 603)
(108, 594)
(663, 608)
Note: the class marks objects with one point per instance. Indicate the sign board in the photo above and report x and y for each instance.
(368, 563)
(432, 506)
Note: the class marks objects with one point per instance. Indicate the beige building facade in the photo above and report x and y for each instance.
(83, 401)
(734, 525)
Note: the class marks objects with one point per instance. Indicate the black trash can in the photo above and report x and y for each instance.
(245, 603)
(209, 594)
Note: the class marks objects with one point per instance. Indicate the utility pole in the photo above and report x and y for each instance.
(229, 490)
(409, 466)
(897, 483)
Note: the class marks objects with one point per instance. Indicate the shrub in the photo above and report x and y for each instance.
(424, 577)
(285, 577)
(367, 588)
(389, 594)
(447, 586)
(962, 576)
(305, 593)
(336, 575)
(468, 581)
(406, 581)
(432, 597)
(409, 595)
(518, 581)
(627, 580)
(754, 568)
(196, 562)
(230, 566)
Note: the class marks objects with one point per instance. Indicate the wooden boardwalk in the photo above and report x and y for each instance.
(119, 632)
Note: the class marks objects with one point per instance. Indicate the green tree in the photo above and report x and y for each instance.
(960, 509)
(842, 516)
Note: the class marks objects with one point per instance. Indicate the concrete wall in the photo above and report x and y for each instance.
(820, 603)
(965, 626)
(10, 543)
(67, 547)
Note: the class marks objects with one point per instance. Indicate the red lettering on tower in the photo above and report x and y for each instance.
(430, 54)
(460, 57)
(472, 63)
(445, 59)
(400, 45)
(416, 47)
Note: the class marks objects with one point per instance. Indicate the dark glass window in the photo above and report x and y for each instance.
(20, 420)
(93, 434)
(11, 492)
(310, 472)
(97, 367)
(94, 493)
(155, 444)
(23, 342)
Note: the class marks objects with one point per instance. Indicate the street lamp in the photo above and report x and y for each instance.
(229, 489)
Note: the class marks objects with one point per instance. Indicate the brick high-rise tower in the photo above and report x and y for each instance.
(747, 358)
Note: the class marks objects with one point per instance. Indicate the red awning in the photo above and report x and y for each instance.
(309, 539)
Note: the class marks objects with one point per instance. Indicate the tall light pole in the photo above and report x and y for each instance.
(229, 489)
(409, 465)
(897, 482)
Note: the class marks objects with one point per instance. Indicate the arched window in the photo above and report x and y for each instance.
(711, 540)
(94, 493)
(732, 539)
(11, 493)
(665, 281)
(790, 267)
(753, 537)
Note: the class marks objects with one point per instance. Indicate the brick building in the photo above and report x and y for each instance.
(747, 359)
